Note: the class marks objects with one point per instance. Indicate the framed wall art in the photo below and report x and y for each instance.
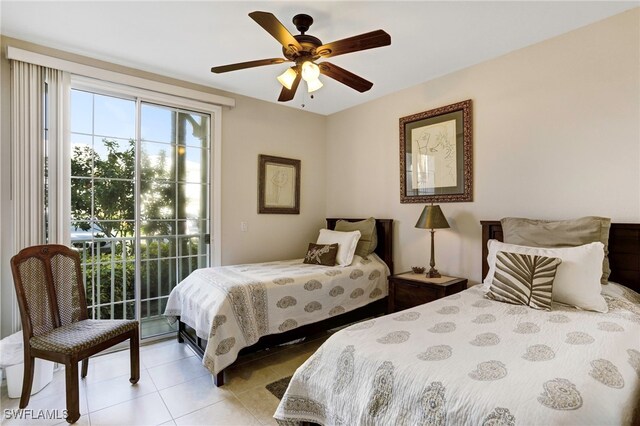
(436, 155)
(278, 185)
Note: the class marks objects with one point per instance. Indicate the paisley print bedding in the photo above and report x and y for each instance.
(233, 306)
(467, 360)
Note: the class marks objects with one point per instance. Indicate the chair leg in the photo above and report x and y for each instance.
(27, 380)
(85, 367)
(72, 391)
(134, 349)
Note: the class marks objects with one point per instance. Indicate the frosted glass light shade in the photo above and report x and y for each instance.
(287, 78)
(313, 85)
(310, 72)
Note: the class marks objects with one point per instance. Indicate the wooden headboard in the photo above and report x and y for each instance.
(384, 227)
(624, 251)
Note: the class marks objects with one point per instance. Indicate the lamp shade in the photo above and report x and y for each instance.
(432, 218)
(288, 77)
(310, 71)
(313, 85)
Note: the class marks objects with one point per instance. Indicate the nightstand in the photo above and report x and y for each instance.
(407, 289)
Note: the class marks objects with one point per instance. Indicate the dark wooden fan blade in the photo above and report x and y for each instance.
(249, 64)
(288, 94)
(274, 27)
(345, 77)
(365, 41)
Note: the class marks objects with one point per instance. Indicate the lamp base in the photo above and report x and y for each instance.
(433, 273)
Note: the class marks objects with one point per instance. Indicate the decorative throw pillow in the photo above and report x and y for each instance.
(346, 241)
(560, 233)
(524, 279)
(321, 254)
(577, 280)
(369, 237)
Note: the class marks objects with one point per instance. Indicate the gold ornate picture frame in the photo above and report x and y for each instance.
(436, 155)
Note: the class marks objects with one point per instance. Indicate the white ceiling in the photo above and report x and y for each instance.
(185, 39)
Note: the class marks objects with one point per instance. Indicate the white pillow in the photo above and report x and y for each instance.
(577, 281)
(347, 242)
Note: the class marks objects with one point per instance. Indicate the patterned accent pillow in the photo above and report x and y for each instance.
(524, 279)
(321, 254)
(577, 281)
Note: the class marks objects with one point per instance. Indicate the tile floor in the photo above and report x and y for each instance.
(174, 388)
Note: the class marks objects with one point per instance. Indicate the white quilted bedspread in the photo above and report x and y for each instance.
(466, 360)
(233, 306)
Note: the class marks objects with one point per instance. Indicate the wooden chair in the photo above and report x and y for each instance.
(53, 309)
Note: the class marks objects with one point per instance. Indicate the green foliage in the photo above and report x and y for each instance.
(109, 201)
(158, 194)
(158, 277)
(118, 275)
(113, 206)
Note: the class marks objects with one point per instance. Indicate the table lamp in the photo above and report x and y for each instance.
(432, 219)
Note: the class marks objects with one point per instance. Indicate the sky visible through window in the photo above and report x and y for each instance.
(95, 118)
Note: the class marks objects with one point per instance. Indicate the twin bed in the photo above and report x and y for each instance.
(226, 311)
(462, 359)
(465, 359)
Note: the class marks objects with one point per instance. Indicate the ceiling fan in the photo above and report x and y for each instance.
(304, 49)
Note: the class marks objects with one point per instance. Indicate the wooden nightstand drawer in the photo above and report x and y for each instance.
(407, 295)
(407, 290)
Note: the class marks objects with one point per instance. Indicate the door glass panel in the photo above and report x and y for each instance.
(103, 202)
(114, 117)
(81, 113)
(157, 161)
(157, 200)
(174, 150)
(192, 164)
(115, 158)
(157, 124)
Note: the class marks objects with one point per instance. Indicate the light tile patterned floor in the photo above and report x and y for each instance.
(174, 388)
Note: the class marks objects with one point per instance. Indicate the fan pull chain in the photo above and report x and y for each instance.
(304, 97)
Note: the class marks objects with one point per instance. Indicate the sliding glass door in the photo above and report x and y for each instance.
(174, 200)
(140, 202)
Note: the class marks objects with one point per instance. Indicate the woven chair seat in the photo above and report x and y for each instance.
(80, 335)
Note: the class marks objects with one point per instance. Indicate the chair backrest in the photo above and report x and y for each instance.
(49, 287)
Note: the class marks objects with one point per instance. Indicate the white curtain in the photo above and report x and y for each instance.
(59, 92)
(32, 89)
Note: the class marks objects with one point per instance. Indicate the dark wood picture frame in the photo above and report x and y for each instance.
(446, 174)
(278, 185)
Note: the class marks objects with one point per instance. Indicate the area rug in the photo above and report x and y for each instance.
(279, 387)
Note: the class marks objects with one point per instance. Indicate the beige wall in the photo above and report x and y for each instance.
(556, 135)
(253, 127)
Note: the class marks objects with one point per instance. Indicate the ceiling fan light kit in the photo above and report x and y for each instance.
(288, 77)
(310, 74)
(310, 71)
(304, 49)
(314, 85)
